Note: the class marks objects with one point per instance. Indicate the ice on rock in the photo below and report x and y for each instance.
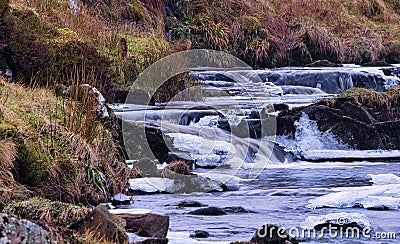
(337, 219)
(384, 194)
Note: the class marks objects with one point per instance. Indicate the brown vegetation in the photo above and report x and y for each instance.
(42, 152)
(175, 168)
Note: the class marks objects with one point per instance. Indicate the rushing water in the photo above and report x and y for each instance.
(285, 192)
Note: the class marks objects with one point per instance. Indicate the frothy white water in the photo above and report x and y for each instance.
(384, 194)
(309, 138)
(336, 218)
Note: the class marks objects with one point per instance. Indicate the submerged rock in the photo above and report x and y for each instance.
(200, 234)
(190, 204)
(210, 211)
(235, 210)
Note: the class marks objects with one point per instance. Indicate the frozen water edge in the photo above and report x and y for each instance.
(316, 155)
(379, 196)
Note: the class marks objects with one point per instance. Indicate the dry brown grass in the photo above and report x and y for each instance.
(59, 161)
(7, 155)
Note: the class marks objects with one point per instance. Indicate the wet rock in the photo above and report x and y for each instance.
(147, 168)
(200, 234)
(323, 63)
(154, 241)
(13, 230)
(272, 234)
(121, 199)
(146, 225)
(394, 71)
(190, 204)
(235, 210)
(210, 211)
(378, 63)
(102, 223)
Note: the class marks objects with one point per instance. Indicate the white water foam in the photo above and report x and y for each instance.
(309, 138)
(384, 194)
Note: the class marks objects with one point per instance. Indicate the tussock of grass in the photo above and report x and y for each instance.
(175, 168)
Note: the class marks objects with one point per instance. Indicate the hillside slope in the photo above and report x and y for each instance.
(45, 41)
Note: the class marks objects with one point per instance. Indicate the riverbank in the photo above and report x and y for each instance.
(58, 149)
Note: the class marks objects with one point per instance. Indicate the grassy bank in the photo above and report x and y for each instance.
(56, 148)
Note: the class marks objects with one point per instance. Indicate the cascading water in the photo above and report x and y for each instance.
(293, 193)
(309, 137)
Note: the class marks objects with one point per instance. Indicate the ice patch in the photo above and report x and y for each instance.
(129, 211)
(336, 219)
(384, 195)
(384, 179)
(152, 185)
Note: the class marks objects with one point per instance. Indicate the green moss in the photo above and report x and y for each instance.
(51, 212)
(7, 130)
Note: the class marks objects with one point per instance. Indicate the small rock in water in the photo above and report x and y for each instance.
(121, 199)
(210, 211)
(238, 209)
(190, 204)
(154, 241)
(200, 234)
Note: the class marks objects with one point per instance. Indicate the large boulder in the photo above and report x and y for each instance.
(146, 225)
(13, 230)
(106, 225)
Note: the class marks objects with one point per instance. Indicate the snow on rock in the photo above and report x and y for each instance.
(336, 219)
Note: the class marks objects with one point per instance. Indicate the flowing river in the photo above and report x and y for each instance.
(326, 181)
